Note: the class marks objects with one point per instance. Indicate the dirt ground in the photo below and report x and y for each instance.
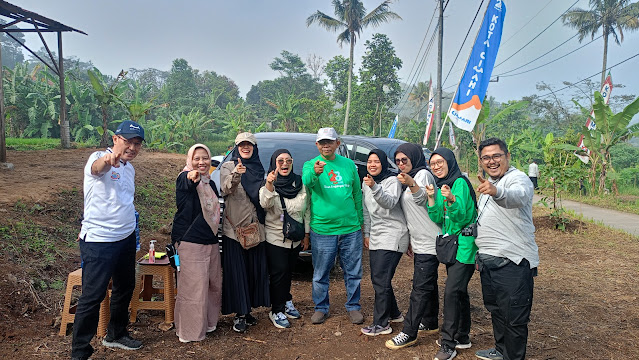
(585, 304)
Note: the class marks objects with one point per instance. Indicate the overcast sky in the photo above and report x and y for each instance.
(239, 38)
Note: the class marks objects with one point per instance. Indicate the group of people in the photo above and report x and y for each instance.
(270, 216)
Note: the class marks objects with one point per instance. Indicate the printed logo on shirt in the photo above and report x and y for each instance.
(335, 177)
(115, 176)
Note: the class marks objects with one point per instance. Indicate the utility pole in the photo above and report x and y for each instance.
(440, 50)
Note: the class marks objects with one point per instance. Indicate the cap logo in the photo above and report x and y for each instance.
(131, 126)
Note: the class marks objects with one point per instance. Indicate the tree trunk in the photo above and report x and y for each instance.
(350, 79)
(104, 142)
(605, 55)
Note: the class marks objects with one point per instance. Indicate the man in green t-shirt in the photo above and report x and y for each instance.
(336, 224)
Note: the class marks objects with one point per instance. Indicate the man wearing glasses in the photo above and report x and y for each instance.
(336, 224)
(107, 242)
(508, 257)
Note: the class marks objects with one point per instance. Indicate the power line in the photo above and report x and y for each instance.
(463, 42)
(415, 78)
(550, 62)
(538, 35)
(591, 76)
(531, 19)
(423, 41)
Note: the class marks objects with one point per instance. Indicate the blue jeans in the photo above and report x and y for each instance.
(324, 248)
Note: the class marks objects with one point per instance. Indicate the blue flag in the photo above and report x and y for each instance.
(391, 133)
(470, 94)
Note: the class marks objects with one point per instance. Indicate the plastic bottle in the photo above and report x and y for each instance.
(152, 252)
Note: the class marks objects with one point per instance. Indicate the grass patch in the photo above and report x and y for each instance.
(155, 201)
(24, 144)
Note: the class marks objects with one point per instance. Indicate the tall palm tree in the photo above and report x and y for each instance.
(612, 16)
(420, 94)
(351, 18)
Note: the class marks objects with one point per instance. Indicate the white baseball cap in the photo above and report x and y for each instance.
(327, 133)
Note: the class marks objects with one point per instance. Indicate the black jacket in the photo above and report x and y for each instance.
(188, 223)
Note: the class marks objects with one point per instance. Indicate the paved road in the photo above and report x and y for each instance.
(615, 219)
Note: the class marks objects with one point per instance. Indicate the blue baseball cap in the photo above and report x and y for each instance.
(130, 129)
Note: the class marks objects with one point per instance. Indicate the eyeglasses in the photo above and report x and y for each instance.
(495, 157)
(288, 161)
(402, 161)
(437, 164)
(136, 144)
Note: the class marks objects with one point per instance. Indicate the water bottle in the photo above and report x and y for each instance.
(152, 252)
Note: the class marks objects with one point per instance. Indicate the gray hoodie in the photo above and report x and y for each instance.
(421, 228)
(505, 224)
(384, 221)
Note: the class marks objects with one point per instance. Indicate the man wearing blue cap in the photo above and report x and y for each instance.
(107, 242)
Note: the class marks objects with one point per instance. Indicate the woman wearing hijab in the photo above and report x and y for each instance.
(386, 237)
(245, 276)
(195, 224)
(423, 309)
(454, 206)
(282, 184)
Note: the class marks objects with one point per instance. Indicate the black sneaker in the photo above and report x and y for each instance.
(239, 324)
(423, 329)
(250, 320)
(126, 342)
(445, 353)
(490, 354)
(401, 340)
(458, 345)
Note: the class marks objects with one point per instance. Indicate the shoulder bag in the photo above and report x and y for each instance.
(446, 246)
(291, 228)
(248, 236)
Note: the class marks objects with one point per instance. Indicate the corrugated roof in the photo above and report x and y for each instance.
(43, 23)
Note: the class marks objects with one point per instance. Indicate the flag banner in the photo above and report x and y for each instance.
(471, 91)
(606, 89)
(451, 135)
(391, 133)
(431, 112)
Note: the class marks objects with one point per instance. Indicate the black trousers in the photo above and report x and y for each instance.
(456, 325)
(534, 181)
(103, 262)
(424, 297)
(383, 264)
(508, 294)
(281, 263)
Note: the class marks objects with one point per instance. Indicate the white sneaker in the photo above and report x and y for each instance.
(291, 312)
(279, 320)
(211, 329)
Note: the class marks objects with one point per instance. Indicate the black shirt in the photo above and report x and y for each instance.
(188, 223)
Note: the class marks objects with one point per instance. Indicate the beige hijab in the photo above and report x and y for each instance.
(208, 200)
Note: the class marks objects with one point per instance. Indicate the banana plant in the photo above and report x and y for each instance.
(610, 129)
(106, 95)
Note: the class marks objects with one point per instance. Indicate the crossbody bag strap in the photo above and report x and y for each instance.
(283, 204)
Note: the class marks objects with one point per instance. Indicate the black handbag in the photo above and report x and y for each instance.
(292, 229)
(446, 247)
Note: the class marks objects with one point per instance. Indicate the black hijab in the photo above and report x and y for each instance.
(454, 172)
(252, 180)
(287, 186)
(416, 156)
(383, 159)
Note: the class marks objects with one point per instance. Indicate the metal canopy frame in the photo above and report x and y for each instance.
(40, 24)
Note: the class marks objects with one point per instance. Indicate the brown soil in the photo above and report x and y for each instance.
(585, 304)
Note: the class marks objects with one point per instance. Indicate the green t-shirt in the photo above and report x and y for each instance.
(336, 196)
(459, 214)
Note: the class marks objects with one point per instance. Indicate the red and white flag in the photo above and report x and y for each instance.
(431, 111)
(606, 89)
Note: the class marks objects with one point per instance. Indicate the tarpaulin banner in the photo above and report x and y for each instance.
(391, 133)
(470, 94)
(431, 112)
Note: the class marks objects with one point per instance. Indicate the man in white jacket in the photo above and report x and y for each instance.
(508, 257)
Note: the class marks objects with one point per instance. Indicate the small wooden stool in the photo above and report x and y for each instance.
(68, 312)
(144, 290)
